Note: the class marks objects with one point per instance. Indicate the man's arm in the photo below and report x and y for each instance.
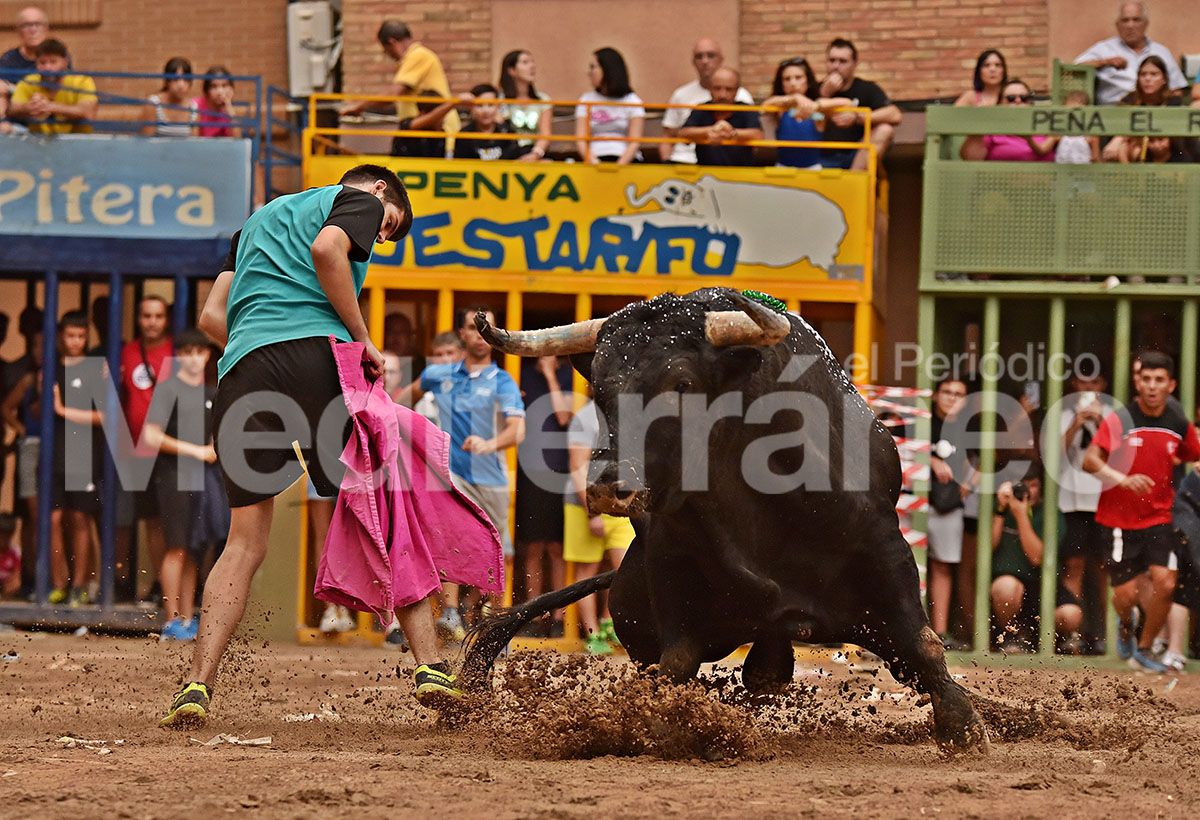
(888, 115)
(214, 322)
(511, 435)
(156, 437)
(1095, 461)
(331, 260)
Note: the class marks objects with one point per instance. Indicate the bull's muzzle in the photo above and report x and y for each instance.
(616, 498)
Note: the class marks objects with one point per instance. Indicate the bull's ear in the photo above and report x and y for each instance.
(737, 364)
(582, 362)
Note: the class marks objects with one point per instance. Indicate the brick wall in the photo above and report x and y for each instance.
(458, 31)
(913, 48)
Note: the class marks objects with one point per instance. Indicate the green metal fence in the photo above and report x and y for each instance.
(1002, 233)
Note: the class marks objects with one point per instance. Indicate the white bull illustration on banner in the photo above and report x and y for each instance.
(777, 225)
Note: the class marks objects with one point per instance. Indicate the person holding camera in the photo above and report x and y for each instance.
(1016, 565)
(1134, 454)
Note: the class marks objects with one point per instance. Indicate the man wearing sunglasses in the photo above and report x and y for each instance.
(706, 58)
(841, 60)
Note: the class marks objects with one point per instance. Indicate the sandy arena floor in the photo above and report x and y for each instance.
(841, 741)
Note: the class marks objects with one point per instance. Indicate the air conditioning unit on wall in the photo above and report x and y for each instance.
(313, 47)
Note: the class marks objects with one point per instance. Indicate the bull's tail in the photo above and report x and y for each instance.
(487, 638)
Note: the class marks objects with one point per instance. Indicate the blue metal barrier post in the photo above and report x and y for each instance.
(45, 475)
(181, 308)
(112, 417)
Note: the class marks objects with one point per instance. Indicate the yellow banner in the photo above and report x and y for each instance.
(756, 224)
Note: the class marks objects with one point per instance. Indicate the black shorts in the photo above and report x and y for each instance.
(539, 510)
(178, 506)
(84, 501)
(1133, 552)
(1187, 584)
(285, 392)
(1083, 537)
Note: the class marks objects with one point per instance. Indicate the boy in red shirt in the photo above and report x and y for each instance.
(1134, 454)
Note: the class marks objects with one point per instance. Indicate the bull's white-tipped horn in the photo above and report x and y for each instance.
(753, 324)
(564, 340)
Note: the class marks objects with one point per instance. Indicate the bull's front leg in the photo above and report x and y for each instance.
(681, 601)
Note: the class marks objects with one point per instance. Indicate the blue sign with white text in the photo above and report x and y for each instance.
(123, 187)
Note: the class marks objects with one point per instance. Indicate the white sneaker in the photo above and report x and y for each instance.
(329, 619)
(1173, 660)
(345, 621)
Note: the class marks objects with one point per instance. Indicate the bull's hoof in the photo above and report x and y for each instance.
(957, 726)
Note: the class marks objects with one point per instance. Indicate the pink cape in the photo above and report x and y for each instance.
(400, 527)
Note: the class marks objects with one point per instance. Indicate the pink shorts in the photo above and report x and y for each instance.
(10, 563)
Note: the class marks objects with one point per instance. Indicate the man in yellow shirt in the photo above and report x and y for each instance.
(420, 71)
(52, 101)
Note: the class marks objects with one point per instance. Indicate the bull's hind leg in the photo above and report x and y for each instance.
(898, 631)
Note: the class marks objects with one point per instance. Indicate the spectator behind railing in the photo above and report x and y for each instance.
(1151, 90)
(707, 57)
(419, 72)
(794, 81)
(33, 26)
(170, 113)
(53, 101)
(988, 81)
(841, 60)
(1009, 147)
(1117, 59)
(709, 129)
(610, 83)
(1076, 149)
(485, 119)
(430, 117)
(216, 117)
(517, 72)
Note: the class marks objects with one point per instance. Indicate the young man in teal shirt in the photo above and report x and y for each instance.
(291, 280)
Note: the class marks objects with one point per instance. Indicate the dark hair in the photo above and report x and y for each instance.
(977, 78)
(485, 88)
(30, 320)
(614, 75)
(395, 192)
(777, 84)
(952, 378)
(1157, 360)
(175, 65)
(842, 42)
(73, 318)
(507, 85)
(1135, 97)
(466, 316)
(448, 337)
(191, 337)
(393, 30)
(52, 47)
(216, 72)
(1014, 81)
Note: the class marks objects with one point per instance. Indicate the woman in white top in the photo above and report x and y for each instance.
(517, 71)
(170, 112)
(610, 79)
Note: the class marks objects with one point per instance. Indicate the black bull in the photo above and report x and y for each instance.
(715, 568)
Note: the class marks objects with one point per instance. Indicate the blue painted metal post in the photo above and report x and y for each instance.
(181, 308)
(45, 476)
(112, 417)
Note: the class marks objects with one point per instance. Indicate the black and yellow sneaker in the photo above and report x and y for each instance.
(435, 686)
(190, 707)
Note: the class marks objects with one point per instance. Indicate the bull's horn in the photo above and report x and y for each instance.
(564, 340)
(754, 324)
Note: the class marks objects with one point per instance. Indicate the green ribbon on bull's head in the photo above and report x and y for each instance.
(767, 299)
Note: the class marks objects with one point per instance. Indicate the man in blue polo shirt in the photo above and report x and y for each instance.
(290, 282)
(481, 408)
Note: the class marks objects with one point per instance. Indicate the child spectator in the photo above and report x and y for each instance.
(170, 113)
(590, 539)
(610, 83)
(215, 115)
(447, 348)
(179, 426)
(1017, 561)
(79, 382)
(430, 117)
(988, 81)
(53, 101)
(485, 119)
(1009, 147)
(22, 411)
(1077, 150)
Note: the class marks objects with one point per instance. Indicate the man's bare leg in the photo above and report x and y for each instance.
(417, 622)
(1156, 604)
(228, 586)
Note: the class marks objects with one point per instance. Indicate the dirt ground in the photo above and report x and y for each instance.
(569, 736)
